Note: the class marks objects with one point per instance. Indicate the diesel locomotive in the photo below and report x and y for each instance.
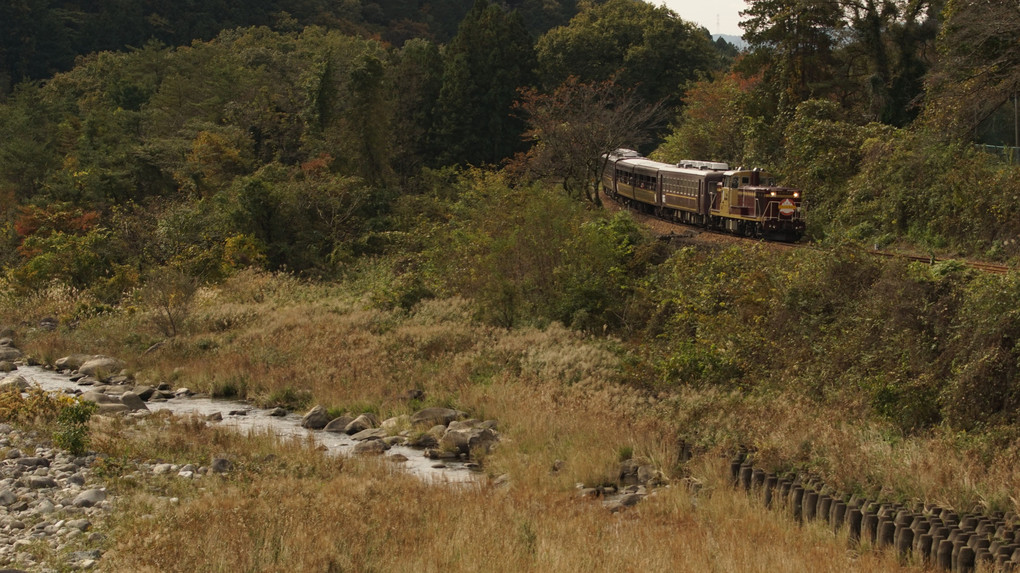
(742, 201)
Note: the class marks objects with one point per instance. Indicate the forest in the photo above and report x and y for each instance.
(404, 157)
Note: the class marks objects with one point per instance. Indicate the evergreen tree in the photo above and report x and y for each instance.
(487, 62)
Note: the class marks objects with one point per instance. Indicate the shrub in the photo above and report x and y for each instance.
(73, 425)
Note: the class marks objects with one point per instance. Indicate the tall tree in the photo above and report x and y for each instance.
(417, 79)
(887, 55)
(792, 42)
(978, 67)
(577, 124)
(647, 48)
(489, 59)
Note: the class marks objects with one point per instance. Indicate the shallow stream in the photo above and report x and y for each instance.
(258, 421)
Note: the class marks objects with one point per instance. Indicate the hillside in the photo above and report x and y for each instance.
(376, 208)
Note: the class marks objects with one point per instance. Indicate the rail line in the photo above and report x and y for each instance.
(664, 228)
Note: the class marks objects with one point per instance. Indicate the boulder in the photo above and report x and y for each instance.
(72, 362)
(221, 465)
(133, 401)
(89, 498)
(7, 497)
(371, 447)
(100, 397)
(49, 323)
(41, 482)
(7, 366)
(426, 440)
(9, 353)
(468, 440)
(339, 425)
(14, 382)
(626, 500)
(116, 408)
(315, 419)
(6, 341)
(277, 412)
(369, 434)
(433, 416)
(101, 367)
(144, 392)
(395, 424)
(362, 422)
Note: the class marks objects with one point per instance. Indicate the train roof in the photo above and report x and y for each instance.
(704, 165)
(645, 165)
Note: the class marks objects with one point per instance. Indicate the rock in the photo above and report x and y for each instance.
(79, 524)
(395, 424)
(72, 362)
(100, 397)
(33, 462)
(238, 413)
(425, 440)
(6, 341)
(7, 366)
(214, 417)
(45, 506)
(370, 434)
(362, 422)
(339, 425)
(182, 392)
(277, 412)
(49, 323)
(397, 458)
(133, 401)
(89, 498)
(413, 394)
(14, 382)
(7, 497)
(315, 419)
(626, 500)
(435, 454)
(433, 416)
(41, 482)
(144, 392)
(108, 409)
(101, 367)
(221, 465)
(468, 440)
(371, 447)
(160, 469)
(9, 353)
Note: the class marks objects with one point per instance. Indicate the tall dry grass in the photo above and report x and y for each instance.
(368, 517)
(557, 395)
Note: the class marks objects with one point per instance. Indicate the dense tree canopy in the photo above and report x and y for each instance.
(649, 49)
(489, 59)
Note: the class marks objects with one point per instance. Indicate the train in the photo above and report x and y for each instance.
(708, 194)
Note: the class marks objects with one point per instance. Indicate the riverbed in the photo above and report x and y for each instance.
(249, 420)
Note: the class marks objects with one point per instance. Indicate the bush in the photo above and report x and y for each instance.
(73, 424)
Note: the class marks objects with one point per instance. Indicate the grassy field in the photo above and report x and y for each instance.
(557, 395)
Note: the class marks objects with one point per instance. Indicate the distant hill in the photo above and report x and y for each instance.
(735, 40)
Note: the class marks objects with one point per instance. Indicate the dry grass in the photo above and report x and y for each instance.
(557, 396)
(367, 517)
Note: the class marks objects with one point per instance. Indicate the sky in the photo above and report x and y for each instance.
(719, 16)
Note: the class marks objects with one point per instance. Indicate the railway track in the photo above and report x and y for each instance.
(690, 233)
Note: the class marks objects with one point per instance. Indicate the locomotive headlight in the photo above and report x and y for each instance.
(796, 194)
(773, 193)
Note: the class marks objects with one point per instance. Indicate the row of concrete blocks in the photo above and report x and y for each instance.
(939, 537)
